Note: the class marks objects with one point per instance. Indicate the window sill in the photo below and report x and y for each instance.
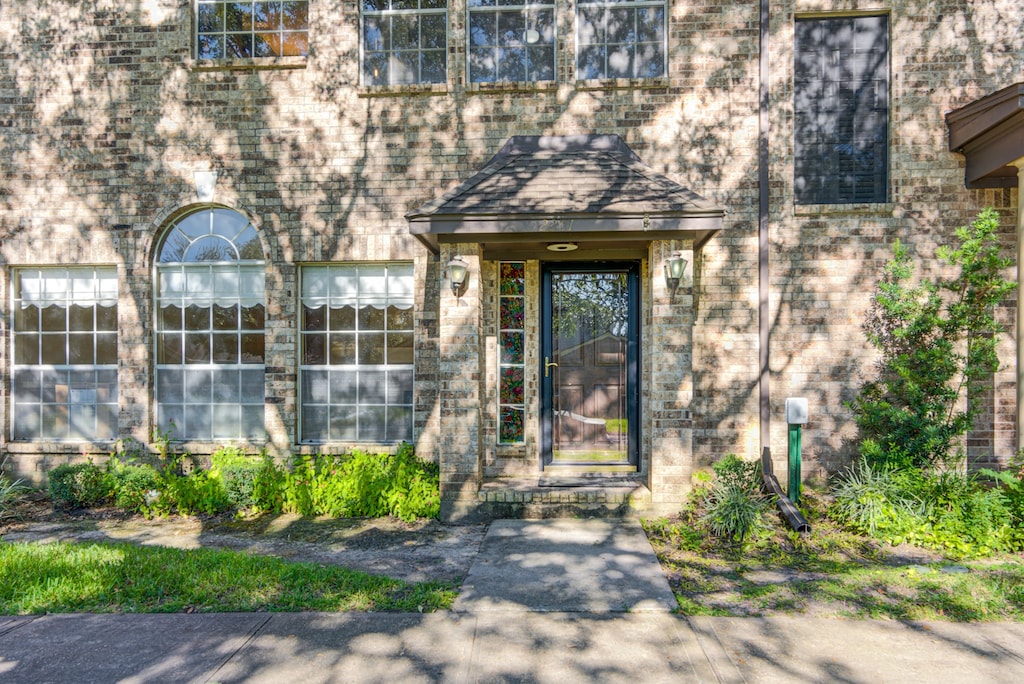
(623, 83)
(404, 89)
(254, 64)
(511, 87)
(863, 209)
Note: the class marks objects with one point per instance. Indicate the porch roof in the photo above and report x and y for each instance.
(591, 190)
(990, 133)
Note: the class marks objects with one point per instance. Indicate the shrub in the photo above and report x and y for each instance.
(938, 341)
(133, 485)
(733, 511)
(874, 501)
(197, 492)
(238, 472)
(357, 484)
(10, 490)
(79, 485)
(733, 470)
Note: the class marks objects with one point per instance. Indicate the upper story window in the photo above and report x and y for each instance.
(251, 28)
(841, 105)
(511, 40)
(620, 39)
(210, 328)
(404, 41)
(64, 380)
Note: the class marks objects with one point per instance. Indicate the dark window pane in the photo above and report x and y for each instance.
(80, 317)
(168, 348)
(314, 351)
(197, 317)
(238, 16)
(225, 348)
(26, 318)
(170, 386)
(106, 317)
(370, 318)
(295, 15)
(371, 348)
(54, 319)
(253, 317)
(372, 423)
(399, 424)
(252, 348)
(54, 350)
(80, 348)
(399, 318)
(400, 349)
(26, 349)
(106, 348)
(170, 318)
(343, 349)
(343, 318)
(197, 348)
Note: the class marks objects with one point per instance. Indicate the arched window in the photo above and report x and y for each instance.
(210, 313)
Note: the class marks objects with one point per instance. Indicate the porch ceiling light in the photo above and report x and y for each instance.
(458, 273)
(562, 246)
(675, 267)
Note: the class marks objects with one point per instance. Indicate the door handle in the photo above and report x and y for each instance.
(548, 364)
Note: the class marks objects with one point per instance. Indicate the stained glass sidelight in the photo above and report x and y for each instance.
(511, 364)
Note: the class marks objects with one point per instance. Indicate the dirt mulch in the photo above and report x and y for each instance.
(425, 550)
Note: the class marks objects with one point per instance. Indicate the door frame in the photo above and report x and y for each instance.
(633, 350)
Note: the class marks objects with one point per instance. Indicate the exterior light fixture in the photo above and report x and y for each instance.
(458, 273)
(562, 246)
(675, 267)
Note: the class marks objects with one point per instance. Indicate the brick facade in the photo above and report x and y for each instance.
(105, 117)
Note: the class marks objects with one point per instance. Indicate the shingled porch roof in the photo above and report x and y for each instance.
(989, 132)
(590, 190)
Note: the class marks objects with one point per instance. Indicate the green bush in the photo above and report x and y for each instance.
(938, 343)
(238, 472)
(356, 484)
(197, 492)
(875, 501)
(133, 486)
(733, 470)
(734, 511)
(80, 485)
(10, 490)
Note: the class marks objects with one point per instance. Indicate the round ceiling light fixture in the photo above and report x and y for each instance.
(562, 246)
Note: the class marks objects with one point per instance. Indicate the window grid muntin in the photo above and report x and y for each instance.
(234, 391)
(606, 8)
(424, 9)
(531, 13)
(214, 35)
(87, 398)
(511, 352)
(355, 401)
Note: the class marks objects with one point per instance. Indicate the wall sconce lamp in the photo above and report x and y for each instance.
(675, 267)
(458, 274)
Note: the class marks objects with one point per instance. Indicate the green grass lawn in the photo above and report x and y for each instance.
(103, 578)
(831, 573)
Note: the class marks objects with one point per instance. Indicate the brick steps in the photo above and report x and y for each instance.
(589, 495)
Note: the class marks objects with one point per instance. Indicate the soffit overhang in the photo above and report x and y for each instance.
(989, 132)
(590, 190)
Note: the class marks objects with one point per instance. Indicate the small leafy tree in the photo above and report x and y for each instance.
(937, 341)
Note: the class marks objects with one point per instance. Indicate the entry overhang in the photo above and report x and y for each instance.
(990, 134)
(591, 190)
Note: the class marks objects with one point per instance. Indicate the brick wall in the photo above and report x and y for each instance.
(104, 117)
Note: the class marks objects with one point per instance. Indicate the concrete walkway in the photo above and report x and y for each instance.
(604, 618)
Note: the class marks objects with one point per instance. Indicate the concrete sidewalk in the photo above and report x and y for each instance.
(594, 625)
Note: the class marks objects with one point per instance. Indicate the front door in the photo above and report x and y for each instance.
(590, 364)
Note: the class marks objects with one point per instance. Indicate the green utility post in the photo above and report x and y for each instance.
(796, 417)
